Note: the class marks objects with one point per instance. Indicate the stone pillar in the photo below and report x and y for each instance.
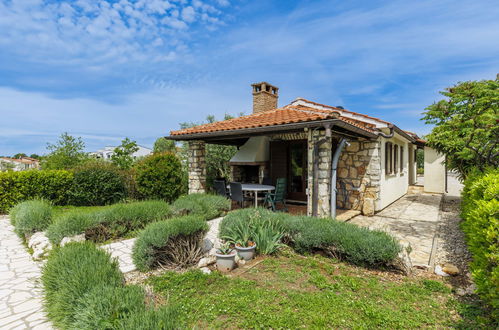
(197, 167)
(324, 173)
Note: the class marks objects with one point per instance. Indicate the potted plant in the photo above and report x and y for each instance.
(226, 258)
(240, 236)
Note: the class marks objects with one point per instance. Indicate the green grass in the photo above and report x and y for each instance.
(293, 291)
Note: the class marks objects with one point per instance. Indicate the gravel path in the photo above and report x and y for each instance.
(20, 292)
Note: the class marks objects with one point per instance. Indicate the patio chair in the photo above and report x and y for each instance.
(236, 193)
(278, 196)
(267, 181)
(220, 187)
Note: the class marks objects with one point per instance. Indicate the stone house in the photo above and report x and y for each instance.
(332, 157)
(19, 164)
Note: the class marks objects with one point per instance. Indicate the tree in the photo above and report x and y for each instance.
(466, 125)
(6, 166)
(123, 154)
(35, 156)
(163, 145)
(66, 153)
(19, 155)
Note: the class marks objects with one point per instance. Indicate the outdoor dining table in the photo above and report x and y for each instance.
(256, 188)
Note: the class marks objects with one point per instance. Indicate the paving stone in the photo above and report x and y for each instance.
(20, 293)
(413, 219)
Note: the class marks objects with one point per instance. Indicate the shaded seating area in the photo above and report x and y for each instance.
(240, 193)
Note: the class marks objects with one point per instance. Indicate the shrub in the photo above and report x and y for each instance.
(175, 242)
(113, 222)
(122, 219)
(163, 318)
(260, 226)
(16, 187)
(70, 273)
(69, 224)
(159, 176)
(106, 307)
(31, 216)
(357, 245)
(206, 205)
(481, 226)
(97, 183)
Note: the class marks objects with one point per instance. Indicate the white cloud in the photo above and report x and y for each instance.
(188, 14)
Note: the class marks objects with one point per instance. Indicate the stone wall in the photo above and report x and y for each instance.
(324, 174)
(359, 173)
(197, 167)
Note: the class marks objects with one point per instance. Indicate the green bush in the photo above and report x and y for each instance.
(163, 318)
(97, 183)
(176, 241)
(159, 176)
(31, 216)
(480, 211)
(122, 219)
(357, 245)
(70, 273)
(72, 223)
(115, 221)
(206, 205)
(106, 307)
(257, 225)
(16, 187)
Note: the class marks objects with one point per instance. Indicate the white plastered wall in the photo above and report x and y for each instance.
(434, 171)
(393, 186)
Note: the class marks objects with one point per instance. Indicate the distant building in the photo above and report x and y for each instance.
(19, 164)
(108, 151)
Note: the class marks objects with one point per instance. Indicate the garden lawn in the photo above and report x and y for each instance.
(293, 291)
(58, 210)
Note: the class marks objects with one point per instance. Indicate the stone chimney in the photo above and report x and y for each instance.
(264, 97)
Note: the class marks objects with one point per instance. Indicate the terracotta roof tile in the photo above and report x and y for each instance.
(285, 115)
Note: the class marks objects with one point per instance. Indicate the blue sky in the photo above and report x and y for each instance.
(105, 70)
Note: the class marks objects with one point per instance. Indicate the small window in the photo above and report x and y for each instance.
(388, 158)
(401, 159)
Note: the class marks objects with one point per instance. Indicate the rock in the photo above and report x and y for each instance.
(368, 207)
(40, 245)
(403, 261)
(75, 238)
(439, 271)
(450, 269)
(207, 245)
(206, 261)
(205, 270)
(241, 262)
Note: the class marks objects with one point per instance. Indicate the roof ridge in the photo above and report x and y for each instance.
(339, 109)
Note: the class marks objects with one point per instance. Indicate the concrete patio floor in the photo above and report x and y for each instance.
(413, 219)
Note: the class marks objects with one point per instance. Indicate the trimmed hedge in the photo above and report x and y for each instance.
(113, 222)
(84, 289)
(70, 273)
(97, 183)
(159, 176)
(480, 211)
(349, 242)
(31, 216)
(177, 241)
(16, 187)
(205, 205)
